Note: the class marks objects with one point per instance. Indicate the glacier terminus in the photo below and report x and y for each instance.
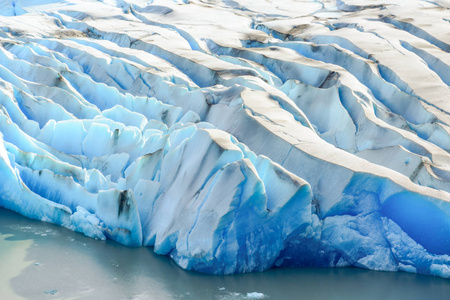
(233, 136)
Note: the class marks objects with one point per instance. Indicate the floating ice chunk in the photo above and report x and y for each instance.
(51, 292)
(255, 295)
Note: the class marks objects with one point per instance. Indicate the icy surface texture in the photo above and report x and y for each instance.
(233, 136)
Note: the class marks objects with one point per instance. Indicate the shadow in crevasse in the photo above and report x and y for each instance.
(62, 264)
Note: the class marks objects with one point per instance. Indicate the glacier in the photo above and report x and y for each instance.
(233, 136)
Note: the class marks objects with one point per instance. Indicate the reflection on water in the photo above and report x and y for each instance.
(59, 264)
(12, 261)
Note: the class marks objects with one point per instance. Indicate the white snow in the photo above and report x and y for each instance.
(233, 136)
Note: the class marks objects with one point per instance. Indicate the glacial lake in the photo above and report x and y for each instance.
(43, 261)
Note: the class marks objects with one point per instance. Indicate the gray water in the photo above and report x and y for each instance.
(42, 261)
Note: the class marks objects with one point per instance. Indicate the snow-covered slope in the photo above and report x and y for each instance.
(234, 136)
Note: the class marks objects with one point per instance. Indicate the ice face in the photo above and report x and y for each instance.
(245, 138)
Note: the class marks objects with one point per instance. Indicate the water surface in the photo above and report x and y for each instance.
(43, 261)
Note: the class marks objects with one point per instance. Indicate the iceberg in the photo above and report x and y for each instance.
(233, 136)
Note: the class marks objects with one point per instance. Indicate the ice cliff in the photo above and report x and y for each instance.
(233, 136)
